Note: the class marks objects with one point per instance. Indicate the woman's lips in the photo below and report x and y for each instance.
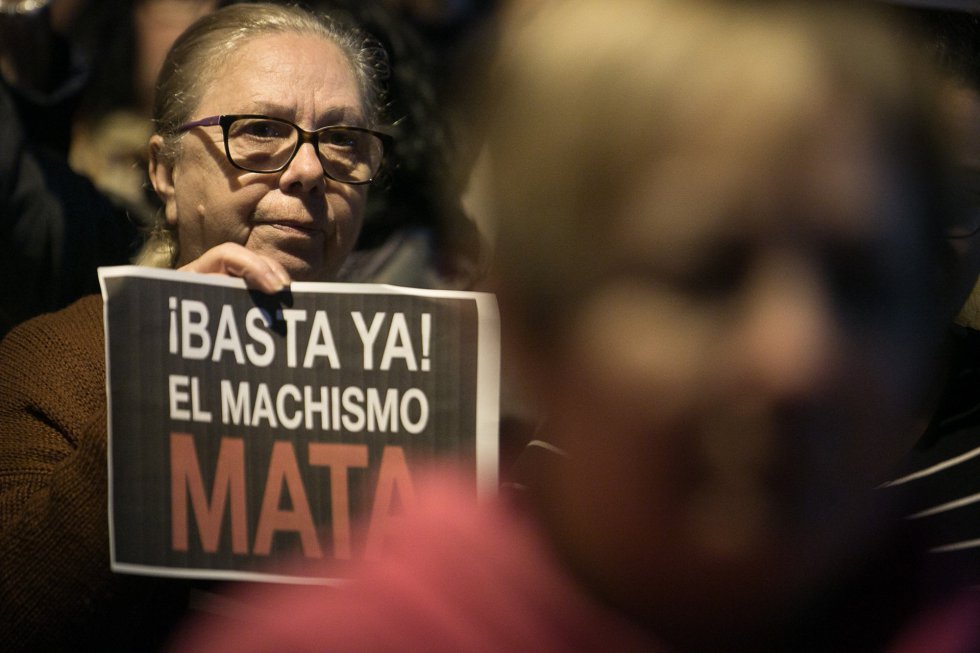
(307, 229)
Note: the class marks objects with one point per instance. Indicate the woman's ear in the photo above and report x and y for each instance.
(161, 171)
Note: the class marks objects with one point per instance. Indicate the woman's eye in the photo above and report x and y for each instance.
(265, 129)
(340, 138)
(715, 276)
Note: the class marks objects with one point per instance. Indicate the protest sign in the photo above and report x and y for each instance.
(245, 429)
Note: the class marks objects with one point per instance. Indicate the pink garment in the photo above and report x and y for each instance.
(954, 628)
(460, 577)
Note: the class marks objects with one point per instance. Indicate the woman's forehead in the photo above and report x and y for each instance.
(280, 71)
(837, 184)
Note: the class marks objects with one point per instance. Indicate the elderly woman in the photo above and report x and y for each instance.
(266, 141)
(719, 232)
(232, 163)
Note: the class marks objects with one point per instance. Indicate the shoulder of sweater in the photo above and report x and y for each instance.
(76, 328)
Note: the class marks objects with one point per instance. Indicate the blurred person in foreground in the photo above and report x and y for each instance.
(719, 257)
(265, 142)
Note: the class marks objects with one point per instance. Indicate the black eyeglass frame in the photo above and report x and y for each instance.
(312, 137)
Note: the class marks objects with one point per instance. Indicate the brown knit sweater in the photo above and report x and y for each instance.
(56, 589)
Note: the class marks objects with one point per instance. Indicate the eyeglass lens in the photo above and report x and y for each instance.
(266, 145)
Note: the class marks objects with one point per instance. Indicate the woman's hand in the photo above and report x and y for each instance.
(231, 259)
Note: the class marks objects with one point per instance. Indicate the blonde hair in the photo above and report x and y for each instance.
(209, 43)
(586, 93)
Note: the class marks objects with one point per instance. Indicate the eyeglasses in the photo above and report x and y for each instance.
(256, 143)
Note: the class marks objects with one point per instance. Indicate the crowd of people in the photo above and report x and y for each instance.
(733, 246)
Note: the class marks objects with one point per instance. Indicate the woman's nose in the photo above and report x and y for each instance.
(790, 340)
(305, 172)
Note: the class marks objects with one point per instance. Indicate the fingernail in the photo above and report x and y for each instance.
(276, 281)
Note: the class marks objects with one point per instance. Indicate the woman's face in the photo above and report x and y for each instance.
(308, 222)
(734, 388)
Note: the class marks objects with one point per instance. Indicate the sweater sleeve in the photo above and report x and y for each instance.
(57, 589)
(53, 530)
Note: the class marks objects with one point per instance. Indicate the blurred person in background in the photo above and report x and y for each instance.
(719, 259)
(56, 226)
(73, 186)
(82, 74)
